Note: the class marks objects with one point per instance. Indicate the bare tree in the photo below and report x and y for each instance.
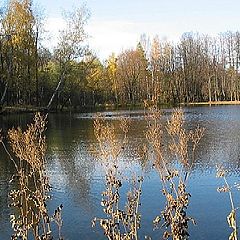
(70, 46)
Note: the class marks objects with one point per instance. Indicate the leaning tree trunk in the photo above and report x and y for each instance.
(56, 89)
(4, 94)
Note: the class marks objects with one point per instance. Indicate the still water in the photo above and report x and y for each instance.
(77, 176)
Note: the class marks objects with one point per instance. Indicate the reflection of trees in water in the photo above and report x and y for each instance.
(68, 139)
(219, 145)
(76, 171)
(221, 140)
(68, 159)
(15, 120)
(6, 171)
(6, 166)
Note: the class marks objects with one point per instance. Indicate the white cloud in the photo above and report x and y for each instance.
(106, 37)
(53, 26)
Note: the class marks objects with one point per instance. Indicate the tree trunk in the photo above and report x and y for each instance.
(209, 90)
(64, 103)
(4, 94)
(56, 90)
(36, 69)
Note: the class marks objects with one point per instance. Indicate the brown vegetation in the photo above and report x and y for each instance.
(232, 217)
(30, 185)
(173, 161)
(181, 147)
(120, 222)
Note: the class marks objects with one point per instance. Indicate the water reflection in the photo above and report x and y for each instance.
(77, 179)
(68, 156)
(221, 142)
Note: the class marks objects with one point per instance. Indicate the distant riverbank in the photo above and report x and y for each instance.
(19, 109)
(29, 108)
(80, 109)
(211, 103)
(88, 108)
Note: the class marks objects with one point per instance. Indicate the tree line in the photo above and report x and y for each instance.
(196, 68)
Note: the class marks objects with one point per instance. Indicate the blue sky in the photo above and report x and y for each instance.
(117, 24)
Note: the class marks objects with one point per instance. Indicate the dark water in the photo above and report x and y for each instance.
(77, 177)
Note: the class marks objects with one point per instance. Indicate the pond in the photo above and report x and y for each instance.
(77, 177)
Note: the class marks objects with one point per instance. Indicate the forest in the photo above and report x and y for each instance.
(197, 68)
(132, 174)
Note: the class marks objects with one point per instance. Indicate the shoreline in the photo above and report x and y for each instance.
(211, 103)
(31, 109)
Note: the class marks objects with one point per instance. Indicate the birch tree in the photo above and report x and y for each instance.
(71, 44)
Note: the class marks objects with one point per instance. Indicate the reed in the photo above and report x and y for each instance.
(172, 159)
(180, 147)
(120, 222)
(226, 188)
(30, 184)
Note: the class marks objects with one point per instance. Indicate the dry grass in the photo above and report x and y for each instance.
(231, 218)
(181, 147)
(31, 185)
(120, 222)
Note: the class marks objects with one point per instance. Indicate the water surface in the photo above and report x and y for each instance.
(77, 176)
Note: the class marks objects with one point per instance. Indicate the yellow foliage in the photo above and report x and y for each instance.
(19, 23)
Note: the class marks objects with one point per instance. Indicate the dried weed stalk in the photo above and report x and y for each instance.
(181, 147)
(119, 223)
(29, 198)
(231, 218)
